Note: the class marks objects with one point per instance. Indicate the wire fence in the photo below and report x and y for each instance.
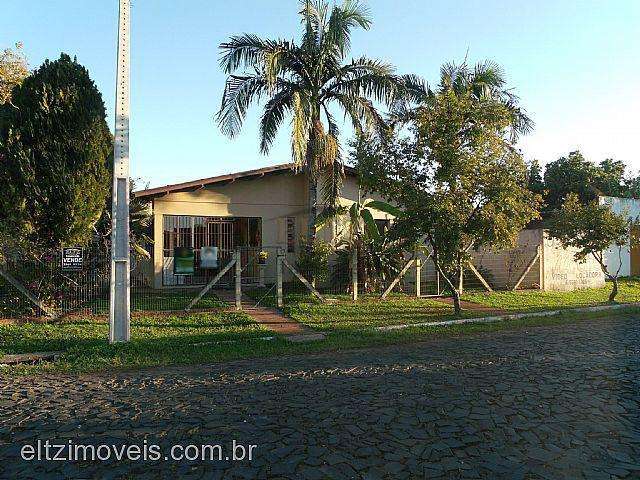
(32, 285)
(35, 286)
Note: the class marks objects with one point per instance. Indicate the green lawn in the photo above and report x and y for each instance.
(156, 340)
(166, 339)
(368, 312)
(534, 300)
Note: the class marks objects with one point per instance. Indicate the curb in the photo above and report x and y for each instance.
(514, 316)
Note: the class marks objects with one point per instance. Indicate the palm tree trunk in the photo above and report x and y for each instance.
(313, 208)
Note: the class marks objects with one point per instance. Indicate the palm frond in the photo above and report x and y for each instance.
(332, 184)
(245, 50)
(361, 110)
(238, 94)
(309, 18)
(343, 19)
(272, 117)
(370, 224)
(384, 207)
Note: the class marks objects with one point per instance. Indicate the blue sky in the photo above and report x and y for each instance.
(575, 65)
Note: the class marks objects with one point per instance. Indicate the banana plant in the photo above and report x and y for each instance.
(361, 223)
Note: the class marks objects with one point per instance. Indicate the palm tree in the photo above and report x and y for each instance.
(307, 82)
(485, 80)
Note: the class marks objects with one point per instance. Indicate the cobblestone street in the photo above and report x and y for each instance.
(548, 402)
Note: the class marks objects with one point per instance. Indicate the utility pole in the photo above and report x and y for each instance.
(119, 298)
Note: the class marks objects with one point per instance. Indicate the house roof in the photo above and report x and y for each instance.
(222, 179)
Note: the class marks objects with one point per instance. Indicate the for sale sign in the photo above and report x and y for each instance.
(72, 259)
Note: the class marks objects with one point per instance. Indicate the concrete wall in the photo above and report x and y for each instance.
(555, 270)
(621, 258)
(561, 272)
(506, 266)
(502, 269)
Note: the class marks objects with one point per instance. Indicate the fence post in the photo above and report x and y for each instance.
(418, 274)
(354, 273)
(279, 261)
(238, 280)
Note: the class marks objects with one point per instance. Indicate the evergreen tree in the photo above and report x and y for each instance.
(55, 155)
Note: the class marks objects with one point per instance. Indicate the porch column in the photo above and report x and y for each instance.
(158, 249)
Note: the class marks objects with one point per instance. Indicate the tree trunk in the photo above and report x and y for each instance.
(456, 301)
(457, 308)
(313, 208)
(614, 291)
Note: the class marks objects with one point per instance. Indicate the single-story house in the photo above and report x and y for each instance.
(627, 258)
(266, 209)
(256, 210)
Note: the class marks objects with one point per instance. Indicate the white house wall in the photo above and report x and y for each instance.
(614, 257)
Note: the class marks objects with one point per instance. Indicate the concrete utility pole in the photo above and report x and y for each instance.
(119, 301)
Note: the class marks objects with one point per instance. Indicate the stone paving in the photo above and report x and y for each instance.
(539, 403)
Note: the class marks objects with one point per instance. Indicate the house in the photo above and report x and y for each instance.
(255, 211)
(626, 258)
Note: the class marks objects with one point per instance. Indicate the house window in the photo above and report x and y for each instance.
(291, 234)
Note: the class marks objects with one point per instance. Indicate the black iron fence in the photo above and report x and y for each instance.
(38, 285)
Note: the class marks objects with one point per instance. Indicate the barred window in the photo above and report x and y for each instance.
(291, 234)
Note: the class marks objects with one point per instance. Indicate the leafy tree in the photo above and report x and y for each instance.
(610, 178)
(305, 82)
(591, 229)
(13, 70)
(459, 180)
(570, 174)
(575, 174)
(632, 185)
(535, 182)
(140, 223)
(55, 150)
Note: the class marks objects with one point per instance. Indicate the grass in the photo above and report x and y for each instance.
(156, 340)
(210, 337)
(534, 300)
(369, 312)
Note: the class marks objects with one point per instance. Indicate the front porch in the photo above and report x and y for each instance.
(225, 233)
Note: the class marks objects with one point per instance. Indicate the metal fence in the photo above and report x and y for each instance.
(33, 286)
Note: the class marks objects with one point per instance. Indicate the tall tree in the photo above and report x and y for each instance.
(610, 179)
(55, 155)
(485, 80)
(13, 70)
(575, 174)
(307, 82)
(459, 181)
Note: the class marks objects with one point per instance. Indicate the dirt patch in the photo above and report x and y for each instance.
(474, 307)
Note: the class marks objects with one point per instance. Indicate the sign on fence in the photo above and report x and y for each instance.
(72, 259)
(209, 257)
(183, 261)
